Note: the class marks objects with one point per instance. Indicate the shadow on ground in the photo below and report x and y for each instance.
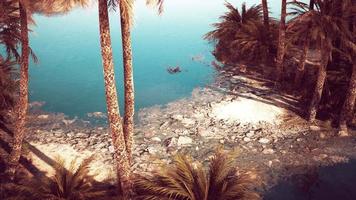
(336, 182)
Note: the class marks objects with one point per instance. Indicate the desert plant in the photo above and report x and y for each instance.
(73, 183)
(186, 180)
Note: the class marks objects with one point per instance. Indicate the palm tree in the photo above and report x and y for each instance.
(187, 180)
(325, 26)
(265, 14)
(22, 104)
(7, 87)
(254, 43)
(349, 103)
(26, 8)
(115, 122)
(74, 183)
(281, 40)
(305, 48)
(10, 36)
(311, 4)
(228, 28)
(126, 16)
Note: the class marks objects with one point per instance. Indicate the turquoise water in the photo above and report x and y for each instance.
(69, 75)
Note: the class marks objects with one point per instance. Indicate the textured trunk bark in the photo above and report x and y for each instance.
(281, 40)
(115, 122)
(128, 79)
(301, 66)
(22, 104)
(318, 91)
(349, 104)
(265, 14)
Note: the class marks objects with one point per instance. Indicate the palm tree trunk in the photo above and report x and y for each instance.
(115, 121)
(22, 104)
(311, 4)
(349, 104)
(318, 91)
(265, 14)
(301, 66)
(128, 78)
(281, 40)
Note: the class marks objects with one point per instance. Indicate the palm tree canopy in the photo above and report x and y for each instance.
(10, 28)
(232, 21)
(187, 180)
(324, 24)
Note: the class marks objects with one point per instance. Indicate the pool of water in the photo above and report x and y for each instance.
(69, 76)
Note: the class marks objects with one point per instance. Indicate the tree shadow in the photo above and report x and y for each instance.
(317, 183)
(24, 161)
(265, 91)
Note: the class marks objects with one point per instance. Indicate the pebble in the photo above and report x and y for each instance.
(156, 139)
(268, 151)
(43, 116)
(263, 141)
(246, 139)
(314, 128)
(184, 140)
(250, 134)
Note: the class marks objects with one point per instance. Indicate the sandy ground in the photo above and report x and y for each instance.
(248, 111)
(66, 152)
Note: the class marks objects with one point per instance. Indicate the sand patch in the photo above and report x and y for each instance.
(247, 111)
(100, 170)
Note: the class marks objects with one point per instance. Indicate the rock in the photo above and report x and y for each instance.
(250, 134)
(204, 132)
(111, 149)
(153, 149)
(171, 142)
(247, 139)
(68, 121)
(187, 122)
(43, 116)
(222, 141)
(82, 135)
(233, 137)
(156, 139)
(149, 134)
(101, 146)
(164, 125)
(263, 141)
(320, 157)
(322, 136)
(177, 117)
(99, 115)
(314, 128)
(70, 134)
(268, 151)
(184, 140)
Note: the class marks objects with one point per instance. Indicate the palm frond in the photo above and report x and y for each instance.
(73, 183)
(187, 180)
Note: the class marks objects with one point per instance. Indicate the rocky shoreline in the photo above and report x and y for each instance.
(274, 145)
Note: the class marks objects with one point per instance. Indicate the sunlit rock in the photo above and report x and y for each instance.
(184, 140)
